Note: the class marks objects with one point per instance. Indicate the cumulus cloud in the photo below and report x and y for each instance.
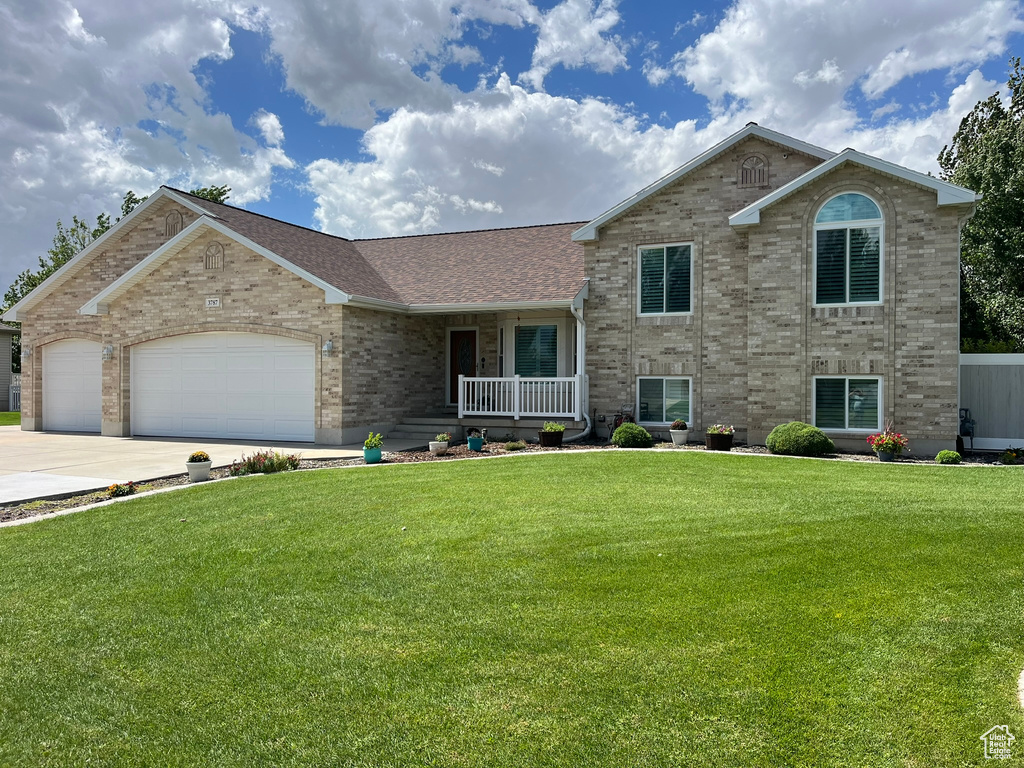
(573, 35)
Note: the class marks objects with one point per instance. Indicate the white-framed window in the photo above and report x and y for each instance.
(536, 351)
(663, 399)
(501, 351)
(848, 403)
(848, 251)
(665, 279)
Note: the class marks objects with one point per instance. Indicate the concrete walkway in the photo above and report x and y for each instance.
(38, 464)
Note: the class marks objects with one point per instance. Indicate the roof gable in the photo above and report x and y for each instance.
(98, 304)
(946, 193)
(590, 230)
(84, 256)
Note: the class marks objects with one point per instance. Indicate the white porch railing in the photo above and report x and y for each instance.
(15, 392)
(519, 397)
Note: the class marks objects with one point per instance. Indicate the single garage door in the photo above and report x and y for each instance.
(227, 385)
(72, 386)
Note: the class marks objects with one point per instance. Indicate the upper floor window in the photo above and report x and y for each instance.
(754, 172)
(666, 277)
(173, 223)
(847, 251)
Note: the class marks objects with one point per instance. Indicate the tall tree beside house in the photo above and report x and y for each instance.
(216, 194)
(987, 155)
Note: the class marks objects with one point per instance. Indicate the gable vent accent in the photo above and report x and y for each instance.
(214, 258)
(173, 223)
(754, 171)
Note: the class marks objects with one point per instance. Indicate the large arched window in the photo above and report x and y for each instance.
(848, 251)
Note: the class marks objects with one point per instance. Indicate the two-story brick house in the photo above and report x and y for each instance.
(766, 280)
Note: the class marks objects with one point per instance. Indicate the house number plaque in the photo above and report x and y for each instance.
(212, 302)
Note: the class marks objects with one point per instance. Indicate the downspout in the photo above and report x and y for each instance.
(581, 356)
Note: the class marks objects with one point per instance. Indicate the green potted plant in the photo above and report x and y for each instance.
(198, 466)
(719, 437)
(888, 444)
(679, 431)
(439, 445)
(551, 435)
(371, 448)
(475, 440)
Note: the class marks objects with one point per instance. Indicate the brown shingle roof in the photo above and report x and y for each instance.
(523, 264)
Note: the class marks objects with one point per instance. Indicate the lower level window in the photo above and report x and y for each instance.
(662, 400)
(537, 351)
(847, 403)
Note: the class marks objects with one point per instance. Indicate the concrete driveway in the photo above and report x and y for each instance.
(38, 464)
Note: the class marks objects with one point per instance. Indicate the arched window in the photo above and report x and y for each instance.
(754, 172)
(172, 223)
(848, 251)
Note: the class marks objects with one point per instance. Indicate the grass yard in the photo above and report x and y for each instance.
(10, 418)
(598, 609)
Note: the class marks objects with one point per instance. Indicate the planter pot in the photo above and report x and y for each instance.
(371, 455)
(718, 442)
(198, 471)
(679, 436)
(438, 447)
(475, 443)
(886, 456)
(550, 439)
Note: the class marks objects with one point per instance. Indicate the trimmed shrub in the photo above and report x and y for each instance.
(515, 445)
(947, 457)
(799, 439)
(631, 435)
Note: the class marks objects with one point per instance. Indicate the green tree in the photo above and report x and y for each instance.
(66, 243)
(216, 194)
(987, 155)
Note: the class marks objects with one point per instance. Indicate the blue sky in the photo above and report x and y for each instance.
(405, 116)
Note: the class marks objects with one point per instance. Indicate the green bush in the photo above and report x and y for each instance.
(553, 426)
(631, 435)
(947, 457)
(799, 439)
(515, 445)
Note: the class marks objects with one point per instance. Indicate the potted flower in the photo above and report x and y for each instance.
(888, 444)
(198, 466)
(551, 435)
(439, 444)
(719, 437)
(475, 440)
(679, 431)
(371, 448)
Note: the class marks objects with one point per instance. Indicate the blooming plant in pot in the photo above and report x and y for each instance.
(198, 466)
(371, 448)
(888, 443)
(439, 444)
(551, 435)
(719, 437)
(679, 431)
(475, 440)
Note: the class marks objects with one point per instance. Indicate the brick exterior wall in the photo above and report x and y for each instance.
(754, 341)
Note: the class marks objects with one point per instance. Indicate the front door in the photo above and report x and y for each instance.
(461, 360)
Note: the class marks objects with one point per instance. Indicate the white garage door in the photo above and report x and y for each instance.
(233, 385)
(72, 386)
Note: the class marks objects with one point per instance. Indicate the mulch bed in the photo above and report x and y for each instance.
(23, 510)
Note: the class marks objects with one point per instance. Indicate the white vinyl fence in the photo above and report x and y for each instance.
(14, 392)
(992, 388)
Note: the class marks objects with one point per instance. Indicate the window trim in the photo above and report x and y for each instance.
(639, 281)
(689, 398)
(538, 323)
(847, 430)
(848, 225)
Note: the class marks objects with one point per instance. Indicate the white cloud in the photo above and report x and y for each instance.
(573, 35)
(829, 74)
(269, 126)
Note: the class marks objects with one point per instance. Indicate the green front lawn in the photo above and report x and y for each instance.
(10, 418)
(601, 609)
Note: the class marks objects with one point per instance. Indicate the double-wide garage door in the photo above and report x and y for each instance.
(224, 385)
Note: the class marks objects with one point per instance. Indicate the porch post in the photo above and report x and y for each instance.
(516, 397)
(462, 390)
